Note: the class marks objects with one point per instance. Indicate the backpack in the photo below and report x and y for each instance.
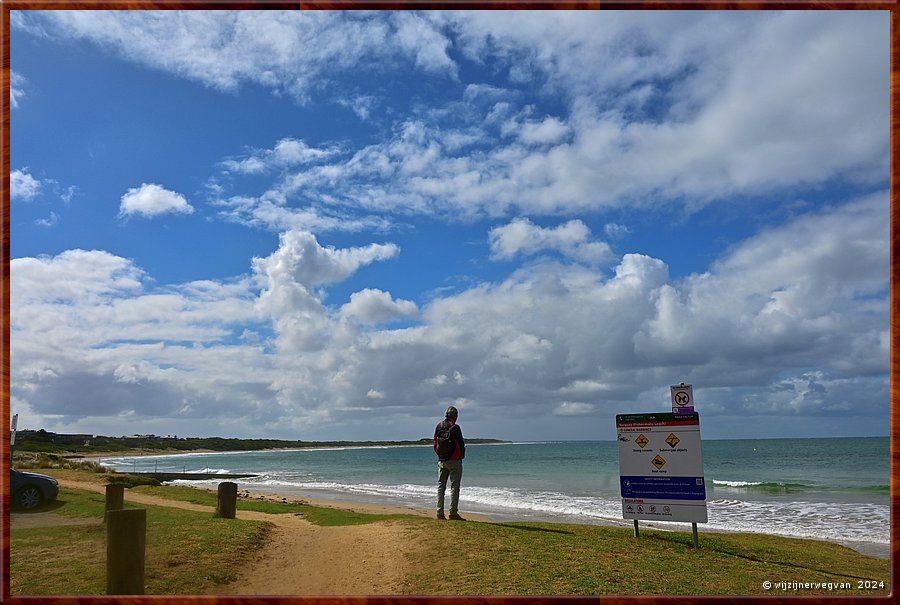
(443, 440)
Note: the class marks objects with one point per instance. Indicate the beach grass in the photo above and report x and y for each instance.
(189, 552)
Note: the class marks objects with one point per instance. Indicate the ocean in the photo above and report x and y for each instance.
(834, 489)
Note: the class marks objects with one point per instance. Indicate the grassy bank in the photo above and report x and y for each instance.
(189, 552)
(186, 551)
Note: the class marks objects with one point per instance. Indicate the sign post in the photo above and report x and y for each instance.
(661, 468)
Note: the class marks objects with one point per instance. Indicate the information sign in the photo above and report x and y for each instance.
(661, 467)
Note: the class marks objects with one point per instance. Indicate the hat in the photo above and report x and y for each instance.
(451, 412)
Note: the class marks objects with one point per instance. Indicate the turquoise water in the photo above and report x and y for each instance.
(835, 489)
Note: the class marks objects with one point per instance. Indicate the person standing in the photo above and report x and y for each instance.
(450, 447)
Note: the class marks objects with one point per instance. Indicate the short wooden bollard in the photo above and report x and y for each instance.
(126, 538)
(115, 498)
(227, 505)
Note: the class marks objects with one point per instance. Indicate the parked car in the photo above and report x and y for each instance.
(30, 490)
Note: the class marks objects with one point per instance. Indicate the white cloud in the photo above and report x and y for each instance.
(361, 105)
(418, 37)
(615, 230)
(153, 200)
(792, 321)
(372, 306)
(47, 222)
(551, 130)
(521, 236)
(23, 186)
(574, 408)
(656, 108)
(649, 110)
(287, 152)
(287, 51)
(16, 89)
(272, 215)
(304, 261)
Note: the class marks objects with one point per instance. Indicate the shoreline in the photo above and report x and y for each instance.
(368, 503)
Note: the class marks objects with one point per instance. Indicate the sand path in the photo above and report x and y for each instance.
(301, 558)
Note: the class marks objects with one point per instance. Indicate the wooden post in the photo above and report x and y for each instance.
(115, 498)
(227, 505)
(696, 539)
(126, 537)
(637, 533)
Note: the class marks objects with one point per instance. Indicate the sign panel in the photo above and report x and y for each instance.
(661, 467)
(682, 398)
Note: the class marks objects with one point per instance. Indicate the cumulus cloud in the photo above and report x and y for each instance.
(521, 236)
(23, 186)
(549, 341)
(550, 130)
(152, 200)
(302, 260)
(373, 306)
(649, 111)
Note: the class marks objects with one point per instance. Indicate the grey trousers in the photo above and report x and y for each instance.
(449, 469)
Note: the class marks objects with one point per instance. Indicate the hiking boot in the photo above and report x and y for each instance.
(455, 517)
(441, 516)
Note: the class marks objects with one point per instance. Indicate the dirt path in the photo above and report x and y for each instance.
(301, 558)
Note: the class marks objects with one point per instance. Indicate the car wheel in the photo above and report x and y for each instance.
(28, 497)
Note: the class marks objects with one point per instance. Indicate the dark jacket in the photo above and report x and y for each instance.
(459, 444)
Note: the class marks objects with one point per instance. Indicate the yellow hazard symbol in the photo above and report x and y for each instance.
(672, 440)
(641, 440)
(659, 461)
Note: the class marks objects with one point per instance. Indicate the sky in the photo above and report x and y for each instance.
(332, 225)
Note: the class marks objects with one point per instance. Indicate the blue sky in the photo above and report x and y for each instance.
(331, 225)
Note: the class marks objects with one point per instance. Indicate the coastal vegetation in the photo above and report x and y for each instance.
(44, 441)
(190, 552)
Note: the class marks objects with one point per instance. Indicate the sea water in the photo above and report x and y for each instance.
(833, 489)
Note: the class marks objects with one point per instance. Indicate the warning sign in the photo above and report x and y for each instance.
(663, 478)
(682, 399)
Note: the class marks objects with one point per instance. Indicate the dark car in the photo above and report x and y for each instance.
(30, 490)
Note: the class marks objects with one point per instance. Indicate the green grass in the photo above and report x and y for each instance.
(187, 552)
(564, 559)
(328, 517)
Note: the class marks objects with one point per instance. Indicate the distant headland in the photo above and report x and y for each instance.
(63, 443)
